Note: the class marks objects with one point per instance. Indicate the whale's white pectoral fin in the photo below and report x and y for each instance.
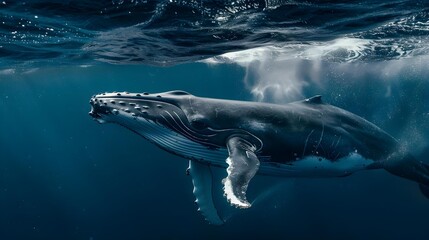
(202, 180)
(242, 166)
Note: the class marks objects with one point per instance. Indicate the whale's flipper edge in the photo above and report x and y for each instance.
(242, 166)
(203, 192)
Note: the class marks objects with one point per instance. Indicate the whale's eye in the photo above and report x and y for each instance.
(198, 124)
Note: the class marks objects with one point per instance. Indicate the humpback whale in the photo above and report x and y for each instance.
(307, 138)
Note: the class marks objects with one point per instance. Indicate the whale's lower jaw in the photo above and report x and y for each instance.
(169, 140)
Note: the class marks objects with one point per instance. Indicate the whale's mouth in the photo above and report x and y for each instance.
(96, 111)
(95, 116)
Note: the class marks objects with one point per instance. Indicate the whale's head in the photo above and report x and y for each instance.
(114, 107)
(175, 121)
(172, 110)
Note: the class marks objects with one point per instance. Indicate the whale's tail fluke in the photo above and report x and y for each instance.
(410, 168)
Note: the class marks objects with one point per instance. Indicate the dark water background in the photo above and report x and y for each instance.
(63, 176)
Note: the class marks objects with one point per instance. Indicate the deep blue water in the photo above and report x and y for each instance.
(63, 176)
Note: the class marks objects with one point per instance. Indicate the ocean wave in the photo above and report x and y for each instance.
(169, 32)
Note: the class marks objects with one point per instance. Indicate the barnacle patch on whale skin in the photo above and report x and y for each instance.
(229, 192)
(242, 167)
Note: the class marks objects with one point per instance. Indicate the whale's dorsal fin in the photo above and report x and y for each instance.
(202, 180)
(242, 166)
(314, 100)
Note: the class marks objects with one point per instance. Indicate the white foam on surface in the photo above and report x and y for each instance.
(283, 73)
(347, 48)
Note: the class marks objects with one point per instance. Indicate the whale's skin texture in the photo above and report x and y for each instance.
(306, 138)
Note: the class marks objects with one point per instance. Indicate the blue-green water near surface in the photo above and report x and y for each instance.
(63, 176)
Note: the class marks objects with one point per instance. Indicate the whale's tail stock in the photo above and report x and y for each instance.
(424, 179)
(410, 168)
(425, 190)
